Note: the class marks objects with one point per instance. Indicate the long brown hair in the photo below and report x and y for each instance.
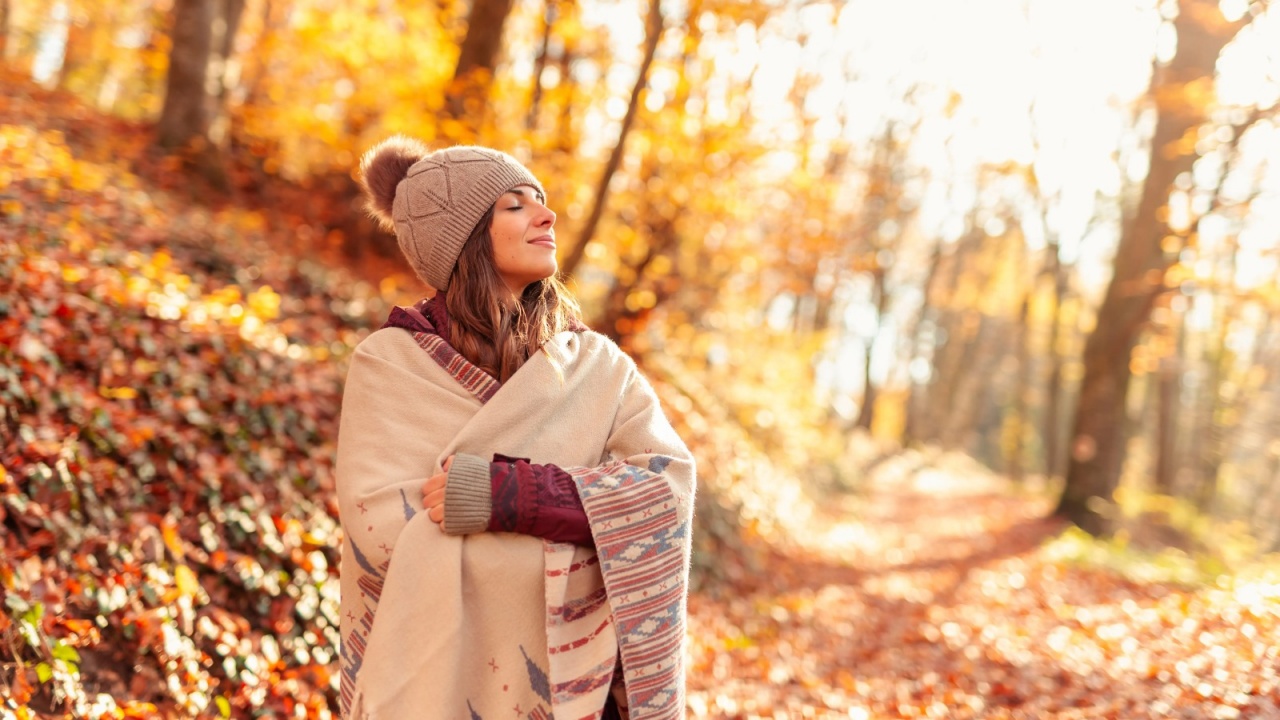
(486, 326)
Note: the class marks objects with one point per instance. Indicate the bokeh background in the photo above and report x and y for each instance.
(930, 288)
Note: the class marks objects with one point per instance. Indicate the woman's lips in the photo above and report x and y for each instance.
(545, 241)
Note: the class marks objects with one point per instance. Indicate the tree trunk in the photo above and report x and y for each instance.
(185, 117)
(653, 33)
(617, 320)
(1098, 433)
(232, 14)
(78, 52)
(1021, 388)
(566, 135)
(866, 413)
(962, 412)
(911, 426)
(1166, 390)
(477, 60)
(4, 30)
(1053, 402)
(966, 330)
(540, 65)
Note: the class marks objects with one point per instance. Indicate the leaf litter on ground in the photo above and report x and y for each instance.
(171, 376)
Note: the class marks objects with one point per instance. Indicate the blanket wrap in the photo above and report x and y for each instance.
(493, 625)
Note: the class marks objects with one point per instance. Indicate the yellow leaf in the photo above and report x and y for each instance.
(186, 581)
(120, 393)
(169, 532)
(264, 303)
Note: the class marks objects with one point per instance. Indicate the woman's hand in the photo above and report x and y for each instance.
(433, 493)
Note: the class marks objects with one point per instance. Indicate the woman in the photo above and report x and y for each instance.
(516, 507)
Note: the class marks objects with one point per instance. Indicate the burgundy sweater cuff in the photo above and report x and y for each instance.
(537, 500)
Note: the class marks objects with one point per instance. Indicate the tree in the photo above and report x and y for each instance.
(185, 117)
(477, 59)
(653, 33)
(4, 29)
(1181, 91)
(202, 40)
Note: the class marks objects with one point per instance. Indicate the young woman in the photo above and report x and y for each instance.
(516, 507)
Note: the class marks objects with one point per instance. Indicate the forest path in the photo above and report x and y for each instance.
(933, 595)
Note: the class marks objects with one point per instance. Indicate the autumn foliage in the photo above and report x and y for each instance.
(895, 358)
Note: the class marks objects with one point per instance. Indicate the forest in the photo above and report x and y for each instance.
(967, 311)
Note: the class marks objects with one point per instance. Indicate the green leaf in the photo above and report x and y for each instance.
(34, 615)
(66, 653)
(44, 672)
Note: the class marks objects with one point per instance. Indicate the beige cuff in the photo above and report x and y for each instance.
(468, 496)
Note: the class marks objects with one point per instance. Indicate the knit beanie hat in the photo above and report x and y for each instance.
(433, 200)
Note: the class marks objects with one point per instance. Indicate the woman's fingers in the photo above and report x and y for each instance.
(433, 483)
(433, 496)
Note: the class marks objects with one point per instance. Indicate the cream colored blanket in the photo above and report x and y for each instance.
(493, 625)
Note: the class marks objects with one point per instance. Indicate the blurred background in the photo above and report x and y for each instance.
(1037, 240)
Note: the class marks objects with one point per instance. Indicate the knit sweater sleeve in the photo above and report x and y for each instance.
(537, 500)
(510, 494)
(514, 495)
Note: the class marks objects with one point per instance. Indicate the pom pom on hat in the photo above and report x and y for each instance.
(434, 200)
(381, 170)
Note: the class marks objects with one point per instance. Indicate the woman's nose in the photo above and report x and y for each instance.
(549, 218)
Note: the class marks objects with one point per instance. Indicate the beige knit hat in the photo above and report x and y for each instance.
(433, 200)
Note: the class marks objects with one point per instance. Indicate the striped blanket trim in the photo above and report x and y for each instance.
(370, 584)
(641, 542)
(582, 647)
(476, 381)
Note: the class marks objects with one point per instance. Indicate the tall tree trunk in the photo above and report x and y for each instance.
(477, 61)
(653, 34)
(78, 52)
(1266, 510)
(1098, 434)
(185, 117)
(960, 412)
(1053, 385)
(232, 14)
(566, 135)
(966, 331)
(866, 413)
(1170, 445)
(4, 30)
(1021, 389)
(1166, 406)
(540, 65)
(923, 418)
(617, 317)
(911, 425)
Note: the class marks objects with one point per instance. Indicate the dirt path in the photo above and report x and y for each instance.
(938, 602)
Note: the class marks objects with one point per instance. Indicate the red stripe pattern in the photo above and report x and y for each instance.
(642, 540)
(473, 379)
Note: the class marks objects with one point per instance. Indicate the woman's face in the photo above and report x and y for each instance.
(524, 239)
